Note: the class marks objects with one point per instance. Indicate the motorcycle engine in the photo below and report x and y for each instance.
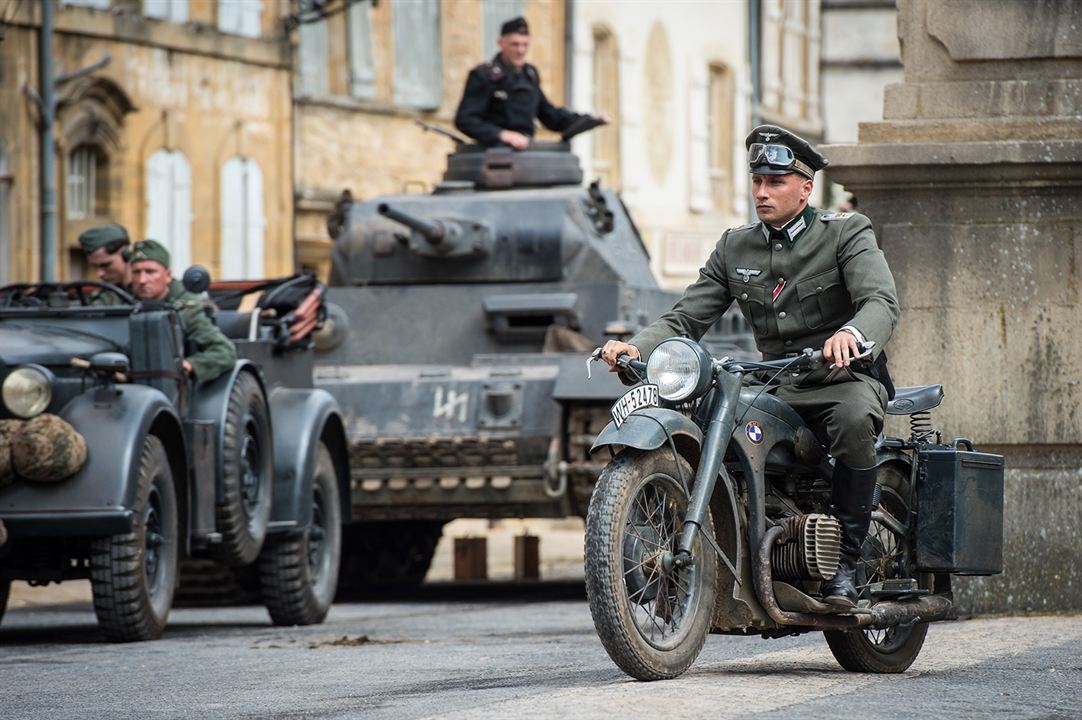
(810, 548)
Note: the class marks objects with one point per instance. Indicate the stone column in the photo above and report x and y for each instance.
(974, 184)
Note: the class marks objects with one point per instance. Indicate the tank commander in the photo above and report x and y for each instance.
(212, 352)
(108, 250)
(803, 278)
(502, 97)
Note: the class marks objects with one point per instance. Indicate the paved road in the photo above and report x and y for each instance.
(506, 651)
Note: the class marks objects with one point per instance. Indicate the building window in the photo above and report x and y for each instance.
(791, 61)
(240, 17)
(720, 129)
(362, 68)
(496, 13)
(172, 10)
(606, 139)
(312, 57)
(169, 204)
(418, 77)
(242, 219)
(88, 183)
(5, 194)
(100, 4)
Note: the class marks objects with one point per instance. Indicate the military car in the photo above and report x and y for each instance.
(114, 466)
(458, 327)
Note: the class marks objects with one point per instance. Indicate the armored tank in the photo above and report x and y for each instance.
(459, 325)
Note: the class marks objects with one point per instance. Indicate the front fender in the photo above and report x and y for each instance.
(98, 499)
(651, 428)
(303, 417)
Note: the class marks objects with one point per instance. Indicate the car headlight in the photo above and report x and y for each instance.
(27, 391)
(680, 368)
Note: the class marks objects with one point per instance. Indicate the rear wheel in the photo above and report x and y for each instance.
(299, 572)
(884, 556)
(133, 575)
(247, 472)
(652, 616)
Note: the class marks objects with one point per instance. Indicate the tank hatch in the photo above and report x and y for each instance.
(501, 168)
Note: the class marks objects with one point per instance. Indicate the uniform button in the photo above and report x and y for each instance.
(819, 290)
(788, 343)
(781, 281)
(777, 246)
(782, 314)
(743, 296)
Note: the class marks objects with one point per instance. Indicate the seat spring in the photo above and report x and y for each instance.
(920, 425)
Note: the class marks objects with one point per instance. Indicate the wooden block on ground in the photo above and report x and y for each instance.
(471, 558)
(527, 557)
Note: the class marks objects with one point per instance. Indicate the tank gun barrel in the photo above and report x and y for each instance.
(432, 230)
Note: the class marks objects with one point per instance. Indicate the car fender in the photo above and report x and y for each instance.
(649, 429)
(302, 418)
(98, 499)
(210, 402)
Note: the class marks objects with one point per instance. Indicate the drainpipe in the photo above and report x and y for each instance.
(48, 145)
(755, 62)
(569, 53)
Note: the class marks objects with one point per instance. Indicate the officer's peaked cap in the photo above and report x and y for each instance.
(809, 160)
(515, 25)
(150, 250)
(99, 237)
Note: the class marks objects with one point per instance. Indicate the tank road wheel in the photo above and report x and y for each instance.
(884, 555)
(299, 572)
(247, 473)
(133, 575)
(652, 618)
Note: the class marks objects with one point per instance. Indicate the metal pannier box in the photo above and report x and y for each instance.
(960, 512)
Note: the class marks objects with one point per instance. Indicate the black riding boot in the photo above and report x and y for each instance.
(851, 497)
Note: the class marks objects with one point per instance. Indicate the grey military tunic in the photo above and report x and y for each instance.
(212, 352)
(797, 286)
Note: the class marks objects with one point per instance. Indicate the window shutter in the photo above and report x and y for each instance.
(496, 13)
(312, 63)
(232, 230)
(418, 78)
(699, 199)
(158, 197)
(362, 69)
(254, 221)
(229, 16)
(251, 13)
(172, 10)
(181, 230)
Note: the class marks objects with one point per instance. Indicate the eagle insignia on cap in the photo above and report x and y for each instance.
(768, 136)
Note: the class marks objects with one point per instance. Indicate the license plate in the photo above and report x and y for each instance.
(638, 397)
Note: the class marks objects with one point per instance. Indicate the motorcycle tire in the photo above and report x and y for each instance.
(883, 556)
(652, 621)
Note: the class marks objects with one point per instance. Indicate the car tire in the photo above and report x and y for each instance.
(133, 575)
(298, 572)
(243, 513)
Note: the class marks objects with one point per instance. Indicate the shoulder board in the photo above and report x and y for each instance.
(827, 217)
(531, 73)
(743, 227)
(493, 72)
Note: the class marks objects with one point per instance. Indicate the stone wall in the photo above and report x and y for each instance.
(973, 182)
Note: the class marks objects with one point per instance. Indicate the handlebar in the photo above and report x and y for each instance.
(808, 358)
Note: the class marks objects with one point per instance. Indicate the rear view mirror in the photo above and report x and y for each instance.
(196, 279)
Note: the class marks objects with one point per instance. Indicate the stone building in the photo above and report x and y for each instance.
(367, 71)
(180, 132)
(677, 80)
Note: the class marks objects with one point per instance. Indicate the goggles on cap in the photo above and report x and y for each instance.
(778, 156)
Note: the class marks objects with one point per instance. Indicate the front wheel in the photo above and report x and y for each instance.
(883, 556)
(652, 617)
(133, 575)
(299, 572)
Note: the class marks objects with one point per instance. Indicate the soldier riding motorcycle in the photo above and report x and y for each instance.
(712, 516)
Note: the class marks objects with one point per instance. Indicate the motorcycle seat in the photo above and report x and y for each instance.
(909, 400)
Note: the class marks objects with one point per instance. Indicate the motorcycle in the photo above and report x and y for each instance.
(712, 516)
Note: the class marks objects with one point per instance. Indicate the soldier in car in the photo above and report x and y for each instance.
(212, 353)
(108, 250)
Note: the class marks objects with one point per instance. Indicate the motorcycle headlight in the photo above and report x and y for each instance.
(27, 391)
(680, 368)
